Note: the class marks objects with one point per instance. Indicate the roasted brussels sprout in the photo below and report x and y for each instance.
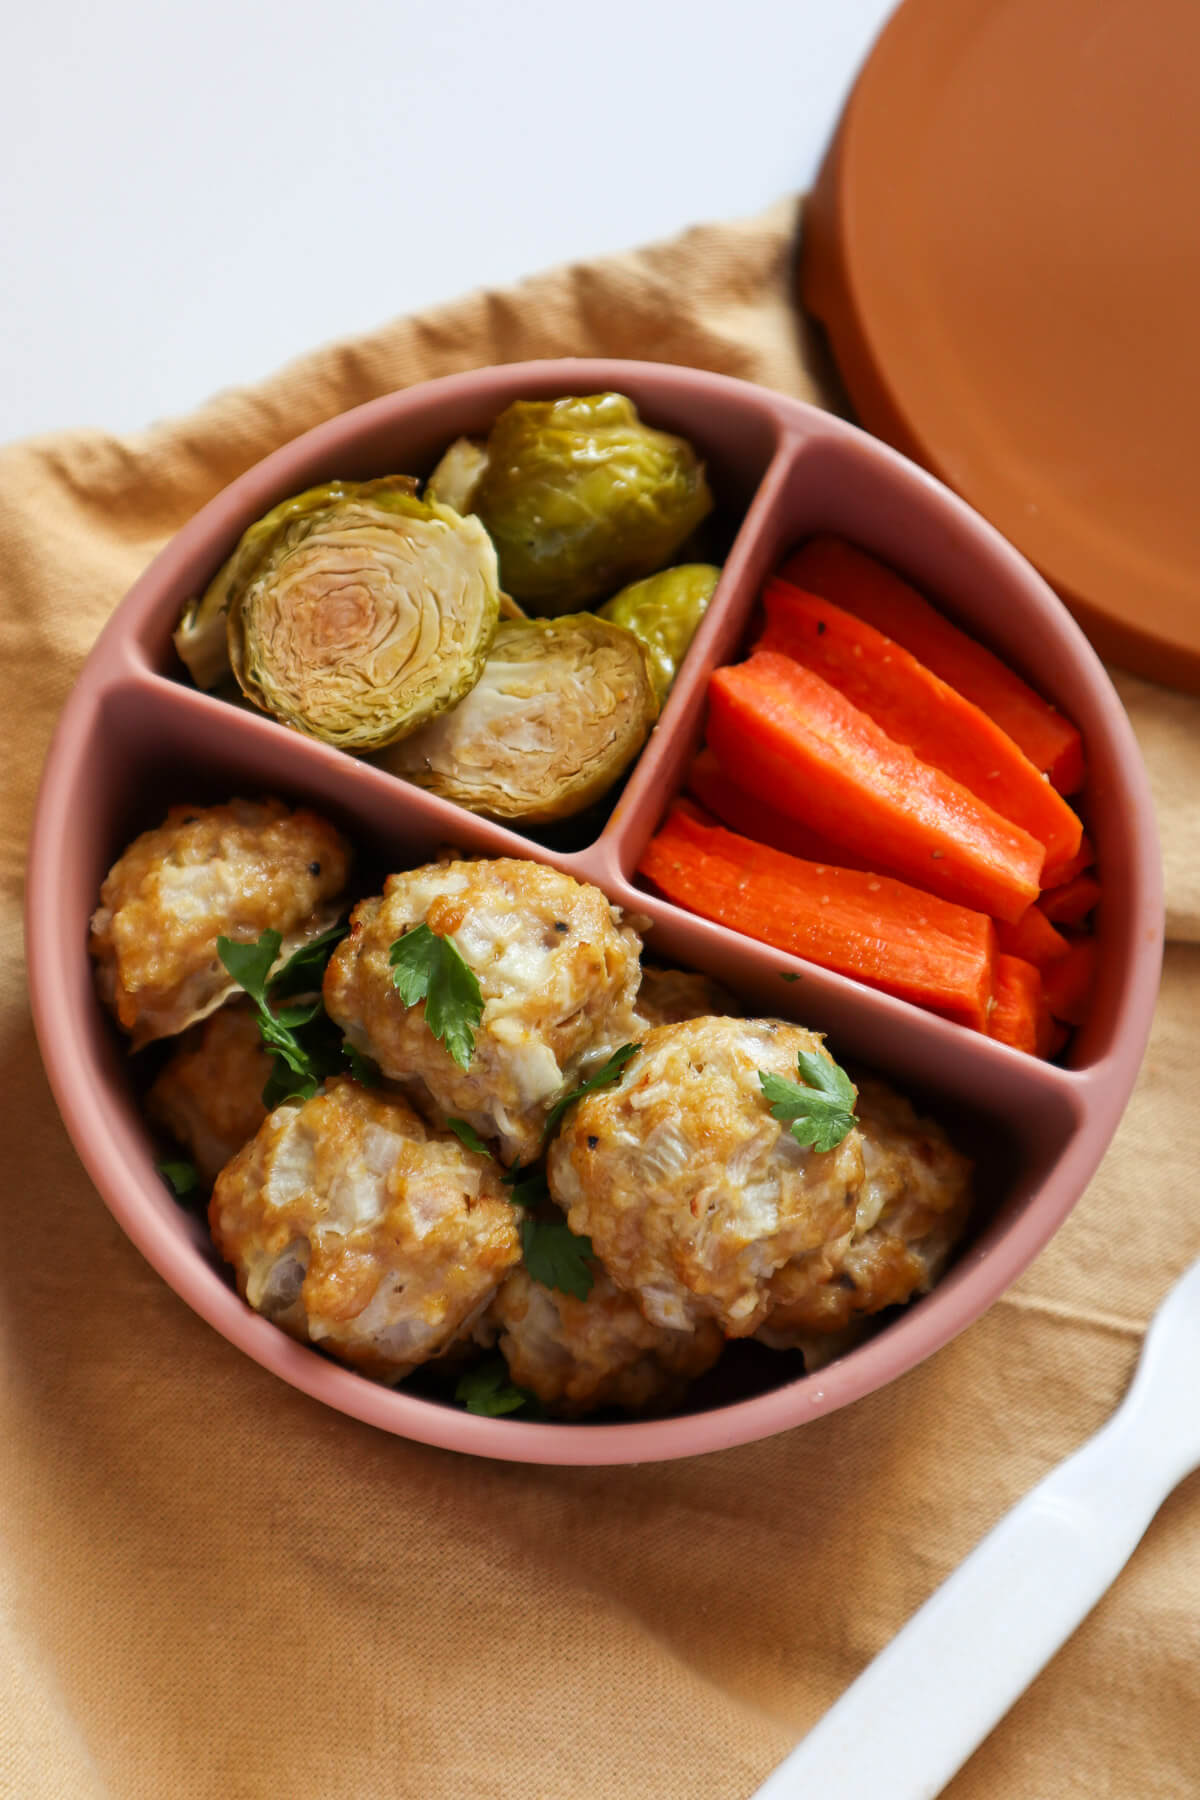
(580, 497)
(456, 479)
(664, 611)
(354, 612)
(561, 709)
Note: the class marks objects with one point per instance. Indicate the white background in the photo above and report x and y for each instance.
(190, 196)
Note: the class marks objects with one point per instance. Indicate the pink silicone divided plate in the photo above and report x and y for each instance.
(134, 736)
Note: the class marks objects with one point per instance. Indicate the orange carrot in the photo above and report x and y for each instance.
(837, 571)
(883, 933)
(1033, 938)
(916, 707)
(1068, 982)
(1083, 859)
(1017, 1011)
(1071, 903)
(754, 818)
(798, 741)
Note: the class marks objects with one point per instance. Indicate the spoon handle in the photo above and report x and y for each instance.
(929, 1699)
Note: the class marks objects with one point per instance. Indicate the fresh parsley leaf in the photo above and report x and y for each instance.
(300, 1065)
(605, 1077)
(365, 1070)
(529, 1187)
(821, 1112)
(466, 1134)
(287, 1084)
(180, 1176)
(556, 1257)
(429, 968)
(487, 1389)
(250, 964)
(303, 970)
(788, 975)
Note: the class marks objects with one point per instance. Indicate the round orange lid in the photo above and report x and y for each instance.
(1004, 246)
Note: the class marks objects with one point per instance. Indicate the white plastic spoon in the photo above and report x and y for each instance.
(994, 1624)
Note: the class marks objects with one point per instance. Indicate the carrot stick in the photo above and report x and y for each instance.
(837, 571)
(754, 818)
(1033, 938)
(1083, 859)
(881, 932)
(1071, 903)
(817, 758)
(916, 707)
(1068, 982)
(1017, 1011)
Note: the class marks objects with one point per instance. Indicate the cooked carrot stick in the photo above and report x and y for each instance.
(1071, 903)
(1017, 1011)
(916, 707)
(799, 742)
(1068, 982)
(1033, 938)
(837, 571)
(881, 932)
(754, 818)
(1083, 859)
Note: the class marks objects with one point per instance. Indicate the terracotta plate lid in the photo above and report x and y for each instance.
(1004, 246)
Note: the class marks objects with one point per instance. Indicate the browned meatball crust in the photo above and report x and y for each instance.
(234, 871)
(910, 1212)
(208, 1094)
(353, 1226)
(580, 1355)
(694, 1197)
(557, 969)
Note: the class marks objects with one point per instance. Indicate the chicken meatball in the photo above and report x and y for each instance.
(557, 969)
(206, 872)
(579, 1355)
(668, 996)
(694, 1197)
(353, 1226)
(209, 1094)
(910, 1212)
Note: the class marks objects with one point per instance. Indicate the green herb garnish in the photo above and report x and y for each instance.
(605, 1077)
(303, 971)
(529, 1186)
(556, 1257)
(429, 968)
(365, 1070)
(300, 1067)
(467, 1134)
(788, 975)
(180, 1176)
(821, 1112)
(487, 1389)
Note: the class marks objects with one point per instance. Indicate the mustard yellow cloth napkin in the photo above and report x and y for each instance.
(210, 1586)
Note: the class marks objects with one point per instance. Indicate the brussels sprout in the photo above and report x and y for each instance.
(456, 479)
(562, 708)
(580, 497)
(664, 612)
(201, 637)
(354, 612)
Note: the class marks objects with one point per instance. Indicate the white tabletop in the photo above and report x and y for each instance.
(189, 197)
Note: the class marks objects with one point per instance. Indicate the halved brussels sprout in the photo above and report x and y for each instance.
(663, 612)
(354, 612)
(580, 497)
(562, 708)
